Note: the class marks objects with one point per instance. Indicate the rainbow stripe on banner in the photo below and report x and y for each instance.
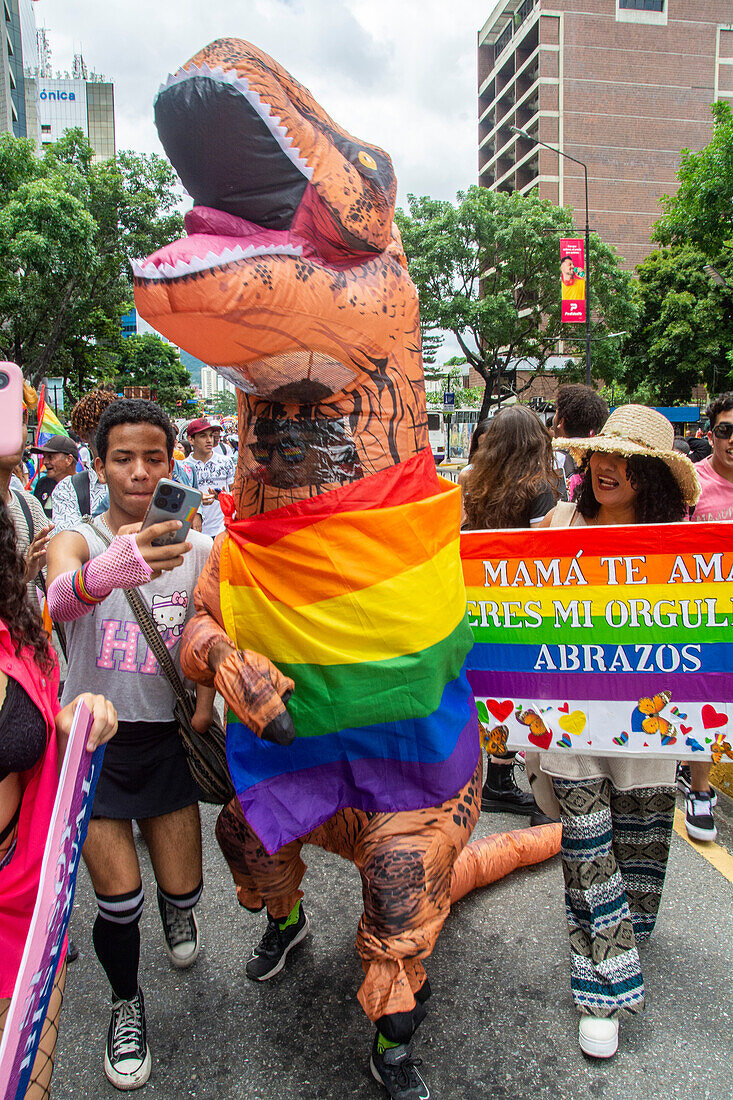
(358, 596)
(604, 640)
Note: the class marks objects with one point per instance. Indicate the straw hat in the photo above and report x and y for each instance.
(637, 430)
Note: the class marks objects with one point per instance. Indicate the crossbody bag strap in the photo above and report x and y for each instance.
(152, 635)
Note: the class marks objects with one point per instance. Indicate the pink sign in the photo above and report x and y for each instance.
(33, 986)
(572, 279)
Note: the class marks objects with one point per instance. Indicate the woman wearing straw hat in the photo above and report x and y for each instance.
(616, 812)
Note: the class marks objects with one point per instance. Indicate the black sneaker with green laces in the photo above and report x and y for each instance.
(396, 1069)
(280, 937)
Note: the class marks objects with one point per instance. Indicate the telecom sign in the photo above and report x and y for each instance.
(449, 401)
(45, 94)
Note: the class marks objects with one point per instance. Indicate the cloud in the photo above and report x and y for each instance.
(397, 73)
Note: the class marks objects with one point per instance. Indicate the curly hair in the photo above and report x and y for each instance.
(582, 410)
(721, 404)
(16, 611)
(134, 410)
(658, 499)
(512, 466)
(84, 417)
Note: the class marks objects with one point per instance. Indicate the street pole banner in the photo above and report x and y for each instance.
(603, 640)
(572, 279)
(33, 986)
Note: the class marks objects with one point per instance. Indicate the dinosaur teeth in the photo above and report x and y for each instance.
(167, 271)
(263, 109)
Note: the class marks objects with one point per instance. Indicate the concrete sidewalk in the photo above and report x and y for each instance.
(501, 1024)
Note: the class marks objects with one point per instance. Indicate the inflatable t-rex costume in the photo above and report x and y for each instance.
(338, 579)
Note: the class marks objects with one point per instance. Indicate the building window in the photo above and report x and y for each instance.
(45, 129)
(641, 5)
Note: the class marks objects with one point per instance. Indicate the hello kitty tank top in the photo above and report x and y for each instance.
(106, 650)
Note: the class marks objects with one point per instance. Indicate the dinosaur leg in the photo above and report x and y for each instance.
(261, 879)
(406, 860)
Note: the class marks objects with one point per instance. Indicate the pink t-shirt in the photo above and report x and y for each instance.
(716, 499)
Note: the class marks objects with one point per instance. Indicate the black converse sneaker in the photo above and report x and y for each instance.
(181, 931)
(127, 1058)
(396, 1069)
(280, 937)
(699, 820)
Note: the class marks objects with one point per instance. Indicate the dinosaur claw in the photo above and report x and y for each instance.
(280, 730)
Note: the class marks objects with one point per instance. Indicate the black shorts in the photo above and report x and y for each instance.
(144, 773)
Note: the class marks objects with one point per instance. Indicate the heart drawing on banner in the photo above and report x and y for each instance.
(541, 740)
(573, 723)
(685, 729)
(711, 718)
(564, 708)
(500, 711)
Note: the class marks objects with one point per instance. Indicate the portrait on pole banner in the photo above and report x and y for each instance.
(572, 279)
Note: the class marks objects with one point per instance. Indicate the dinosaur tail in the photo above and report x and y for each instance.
(493, 857)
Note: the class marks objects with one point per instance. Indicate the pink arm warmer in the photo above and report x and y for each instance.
(72, 595)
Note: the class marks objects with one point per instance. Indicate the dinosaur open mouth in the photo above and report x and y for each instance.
(215, 240)
(228, 148)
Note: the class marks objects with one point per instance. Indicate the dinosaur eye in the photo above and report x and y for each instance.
(367, 160)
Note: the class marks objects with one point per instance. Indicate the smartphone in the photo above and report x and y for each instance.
(172, 501)
(12, 436)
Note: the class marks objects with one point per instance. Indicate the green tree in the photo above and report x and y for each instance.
(148, 360)
(487, 270)
(451, 379)
(685, 327)
(224, 403)
(701, 210)
(685, 288)
(68, 228)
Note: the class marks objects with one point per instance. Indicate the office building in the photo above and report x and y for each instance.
(212, 383)
(622, 85)
(12, 84)
(65, 102)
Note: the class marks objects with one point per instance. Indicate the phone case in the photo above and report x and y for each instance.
(160, 509)
(12, 435)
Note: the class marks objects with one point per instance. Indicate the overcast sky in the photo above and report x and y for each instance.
(398, 73)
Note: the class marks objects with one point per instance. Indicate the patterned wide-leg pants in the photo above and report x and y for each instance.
(615, 846)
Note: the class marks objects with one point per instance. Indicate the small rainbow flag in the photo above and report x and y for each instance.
(48, 423)
(358, 596)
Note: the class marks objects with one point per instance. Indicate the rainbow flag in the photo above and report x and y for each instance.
(604, 640)
(358, 596)
(48, 423)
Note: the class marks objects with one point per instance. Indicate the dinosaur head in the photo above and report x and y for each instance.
(292, 281)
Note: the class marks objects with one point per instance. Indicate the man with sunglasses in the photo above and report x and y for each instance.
(214, 472)
(297, 452)
(715, 504)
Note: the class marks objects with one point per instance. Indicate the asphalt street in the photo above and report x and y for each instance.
(502, 1023)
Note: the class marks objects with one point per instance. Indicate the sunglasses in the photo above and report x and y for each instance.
(723, 431)
(291, 451)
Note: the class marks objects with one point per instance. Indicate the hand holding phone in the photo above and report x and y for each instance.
(172, 501)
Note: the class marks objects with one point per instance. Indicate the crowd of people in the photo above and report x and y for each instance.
(77, 540)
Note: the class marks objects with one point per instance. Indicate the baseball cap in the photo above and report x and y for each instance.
(201, 424)
(57, 444)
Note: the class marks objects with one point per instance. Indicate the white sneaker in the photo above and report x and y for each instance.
(598, 1036)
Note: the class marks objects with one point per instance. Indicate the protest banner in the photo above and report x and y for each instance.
(604, 640)
(33, 986)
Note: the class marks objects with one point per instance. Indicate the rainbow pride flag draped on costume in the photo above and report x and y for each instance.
(358, 596)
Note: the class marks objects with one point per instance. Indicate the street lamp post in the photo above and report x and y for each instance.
(560, 153)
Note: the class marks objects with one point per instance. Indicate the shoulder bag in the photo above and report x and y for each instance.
(206, 752)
